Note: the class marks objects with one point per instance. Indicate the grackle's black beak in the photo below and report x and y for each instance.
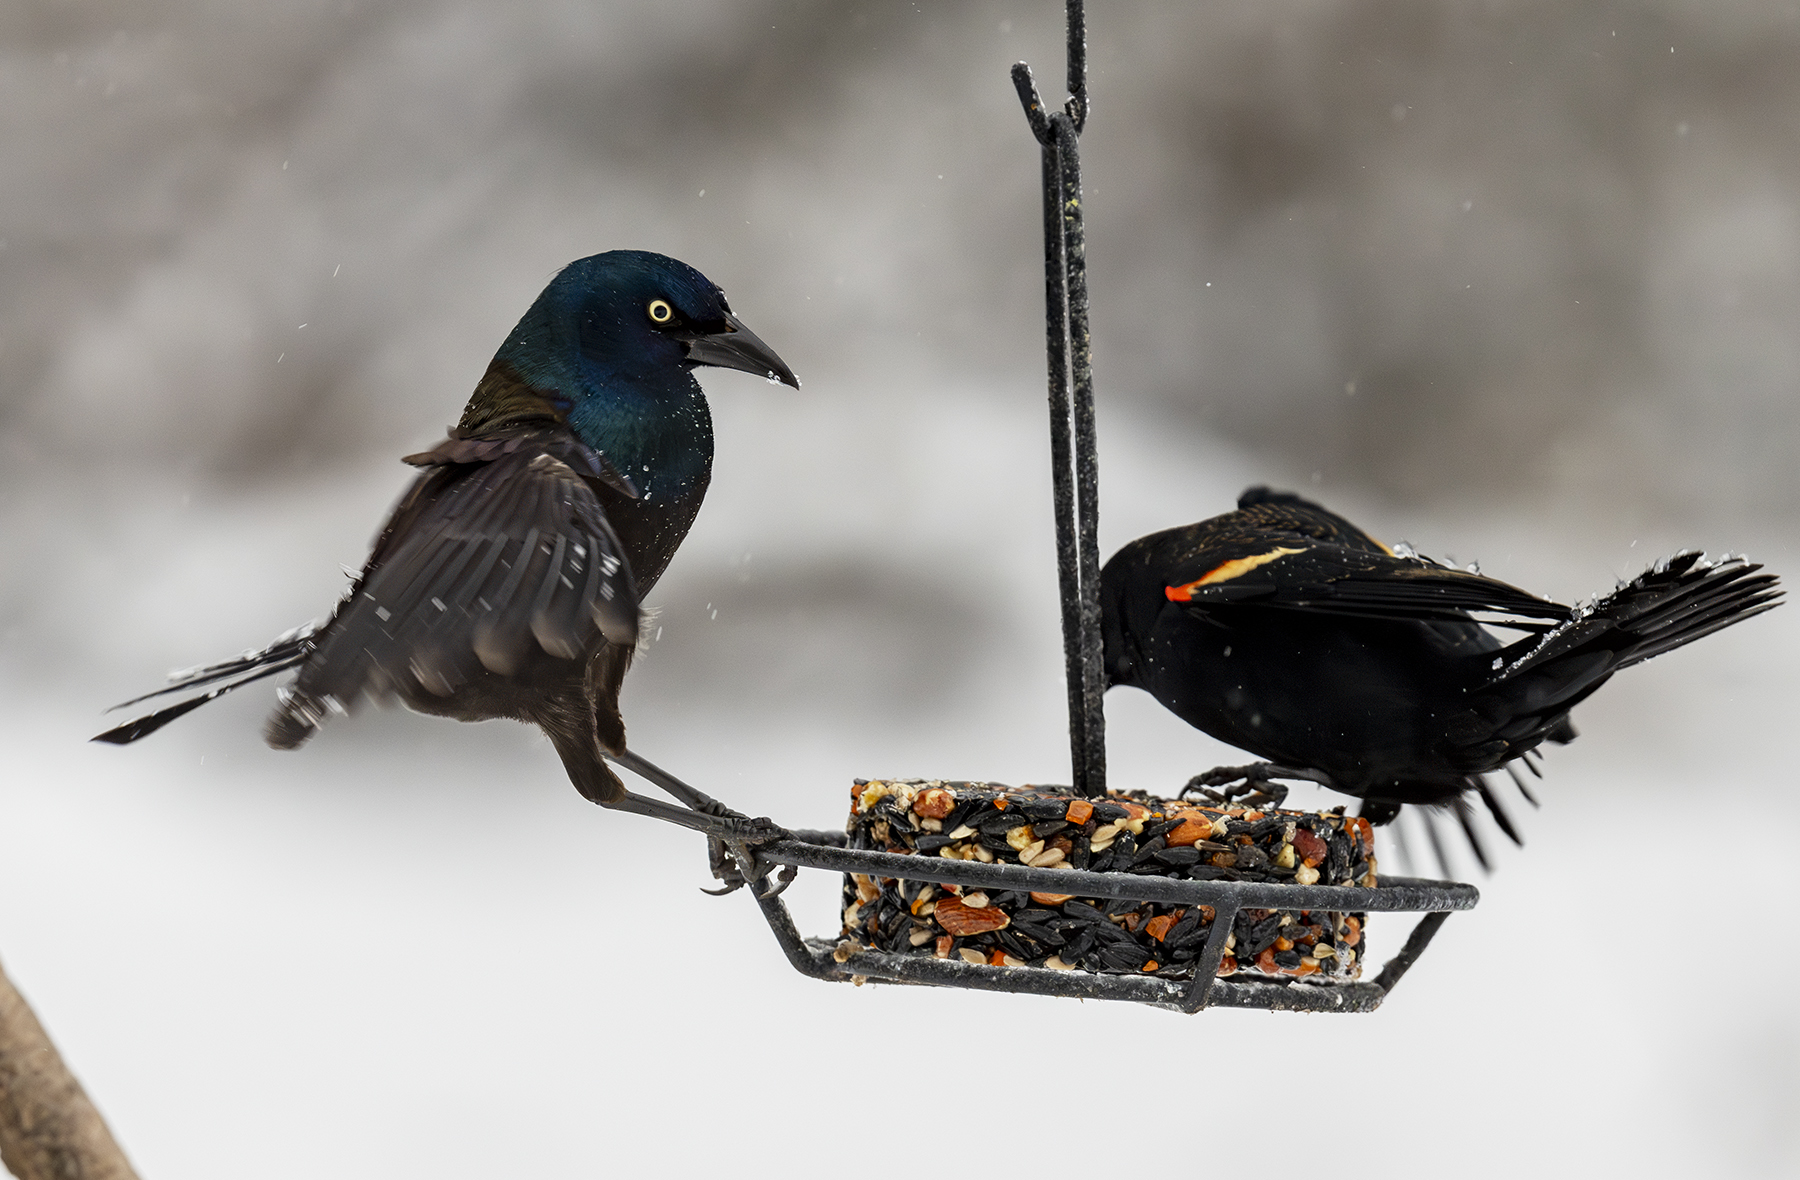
(737, 347)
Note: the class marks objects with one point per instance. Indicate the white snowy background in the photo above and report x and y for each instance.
(1516, 281)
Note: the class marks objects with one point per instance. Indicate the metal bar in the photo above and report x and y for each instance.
(1206, 967)
(1028, 98)
(1275, 995)
(1092, 773)
(1409, 954)
(787, 935)
(1062, 460)
(1074, 463)
(1296, 997)
(1396, 894)
(1075, 14)
(1091, 770)
(1062, 469)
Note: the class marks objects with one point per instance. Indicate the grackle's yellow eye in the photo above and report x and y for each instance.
(660, 311)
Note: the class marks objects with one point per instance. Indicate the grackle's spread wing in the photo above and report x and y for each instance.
(500, 551)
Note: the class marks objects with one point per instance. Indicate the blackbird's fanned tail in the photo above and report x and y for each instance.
(1668, 606)
(1519, 782)
(1437, 843)
(1465, 819)
(1501, 819)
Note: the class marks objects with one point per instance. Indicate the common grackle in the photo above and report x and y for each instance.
(506, 583)
(1287, 631)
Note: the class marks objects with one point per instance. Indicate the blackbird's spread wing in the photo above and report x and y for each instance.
(500, 550)
(1284, 511)
(1279, 550)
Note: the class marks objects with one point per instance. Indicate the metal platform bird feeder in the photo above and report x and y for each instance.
(1075, 481)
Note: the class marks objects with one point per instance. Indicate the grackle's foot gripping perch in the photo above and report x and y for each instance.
(730, 842)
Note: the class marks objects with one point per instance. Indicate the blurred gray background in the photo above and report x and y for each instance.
(1518, 282)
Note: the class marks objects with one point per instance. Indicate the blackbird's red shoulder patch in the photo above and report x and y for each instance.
(1237, 567)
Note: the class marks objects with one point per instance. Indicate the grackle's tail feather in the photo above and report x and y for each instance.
(287, 652)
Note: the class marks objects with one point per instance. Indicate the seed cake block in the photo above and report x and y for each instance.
(1127, 832)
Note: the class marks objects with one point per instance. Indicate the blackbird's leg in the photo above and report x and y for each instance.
(721, 860)
(1253, 784)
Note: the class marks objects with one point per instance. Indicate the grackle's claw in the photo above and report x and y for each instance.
(782, 880)
(724, 868)
(741, 867)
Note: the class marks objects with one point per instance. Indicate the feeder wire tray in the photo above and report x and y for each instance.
(847, 961)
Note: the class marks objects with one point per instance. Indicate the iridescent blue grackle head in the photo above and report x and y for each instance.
(634, 317)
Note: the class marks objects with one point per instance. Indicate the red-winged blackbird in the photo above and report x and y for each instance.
(1286, 631)
(506, 583)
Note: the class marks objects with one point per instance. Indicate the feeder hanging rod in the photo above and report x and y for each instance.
(1074, 466)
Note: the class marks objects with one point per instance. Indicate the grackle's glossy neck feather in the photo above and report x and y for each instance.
(587, 357)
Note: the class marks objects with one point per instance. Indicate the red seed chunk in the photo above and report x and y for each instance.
(934, 803)
(1194, 827)
(961, 919)
(1310, 849)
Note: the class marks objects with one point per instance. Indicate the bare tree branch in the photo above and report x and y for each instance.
(48, 1128)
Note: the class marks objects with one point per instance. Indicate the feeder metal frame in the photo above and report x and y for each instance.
(820, 958)
(1075, 484)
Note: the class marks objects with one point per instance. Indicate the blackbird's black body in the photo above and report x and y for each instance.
(507, 581)
(1285, 630)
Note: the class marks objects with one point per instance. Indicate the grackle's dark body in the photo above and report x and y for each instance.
(1286, 631)
(506, 583)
